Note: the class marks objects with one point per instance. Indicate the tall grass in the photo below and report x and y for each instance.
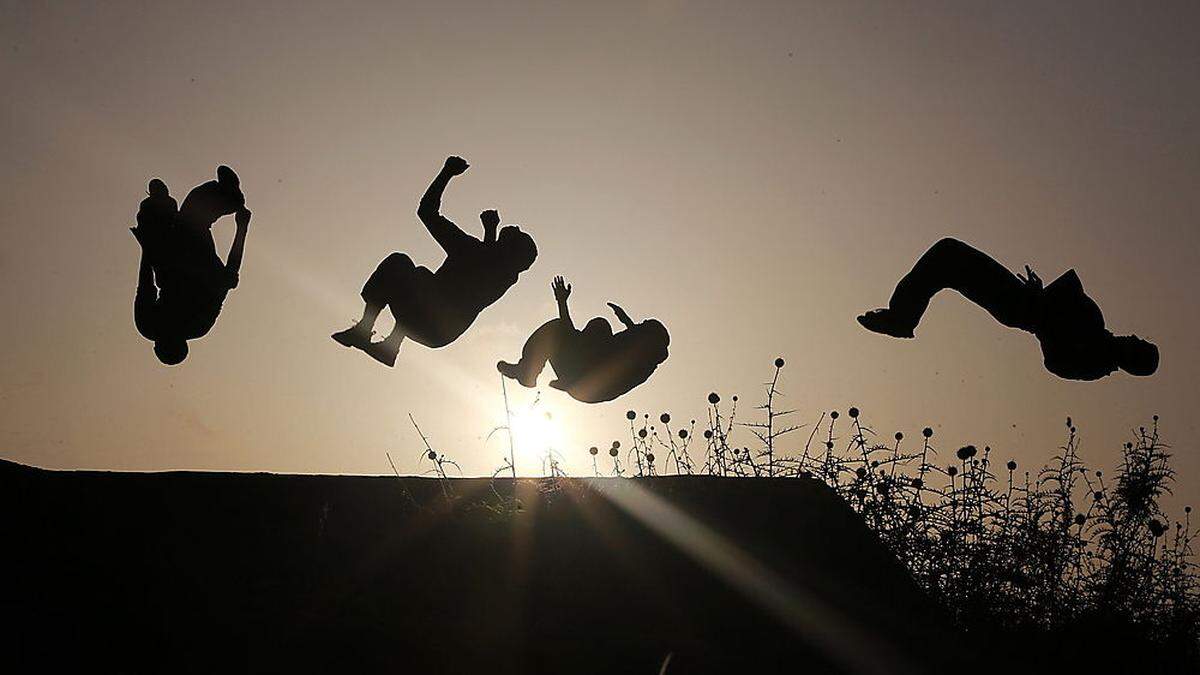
(1041, 550)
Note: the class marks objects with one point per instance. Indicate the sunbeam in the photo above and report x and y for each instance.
(811, 619)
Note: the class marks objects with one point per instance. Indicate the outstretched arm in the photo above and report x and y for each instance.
(562, 291)
(448, 235)
(233, 264)
(145, 299)
(622, 316)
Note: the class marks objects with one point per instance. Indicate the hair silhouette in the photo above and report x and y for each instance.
(182, 282)
(435, 308)
(1068, 324)
(594, 364)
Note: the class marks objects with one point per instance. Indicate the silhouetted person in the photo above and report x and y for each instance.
(592, 365)
(435, 308)
(1067, 323)
(182, 282)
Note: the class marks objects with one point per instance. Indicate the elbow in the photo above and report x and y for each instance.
(427, 208)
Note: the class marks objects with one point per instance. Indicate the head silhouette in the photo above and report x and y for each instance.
(157, 188)
(1135, 355)
(490, 218)
(598, 326)
(653, 340)
(171, 350)
(227, 178)
(231, 189)
(518, 248)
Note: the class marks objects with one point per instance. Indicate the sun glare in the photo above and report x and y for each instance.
(536, 435)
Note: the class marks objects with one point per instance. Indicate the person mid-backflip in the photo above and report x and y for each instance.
(592, 365)
(435, 308)
(1067, 323)
(182, 282)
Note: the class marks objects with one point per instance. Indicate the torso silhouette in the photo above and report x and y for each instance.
(1070, 328)
(581, 351)
(595, 365)
(443, 304)
(192, 285)
(473, 276)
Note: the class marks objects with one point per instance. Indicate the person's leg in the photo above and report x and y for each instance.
(208, 202)
(414, 298)
(389, 279)
(155, 220)
(542, 345)
(951, 264)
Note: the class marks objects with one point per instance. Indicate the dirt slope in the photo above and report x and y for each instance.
(204, 572)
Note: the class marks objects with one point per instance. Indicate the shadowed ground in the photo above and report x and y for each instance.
(203, 572)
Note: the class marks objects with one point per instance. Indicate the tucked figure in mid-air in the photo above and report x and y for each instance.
(435, 308)
(182, 282)
(594, 364)
(1067, 323)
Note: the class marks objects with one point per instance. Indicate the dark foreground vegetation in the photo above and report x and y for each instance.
(1072, 564)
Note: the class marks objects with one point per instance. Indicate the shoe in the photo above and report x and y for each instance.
(384, 352)
(884, 321)
(353, 336)
(512, 371)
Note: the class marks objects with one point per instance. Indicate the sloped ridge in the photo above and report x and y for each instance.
(197, 572)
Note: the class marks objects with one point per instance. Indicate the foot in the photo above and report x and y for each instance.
(384, 352)
(513, 372)
(354, 336)
(884, 321)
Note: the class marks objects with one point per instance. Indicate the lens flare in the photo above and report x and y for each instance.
(536, 435)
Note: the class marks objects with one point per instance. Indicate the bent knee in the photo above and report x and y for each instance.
(397, 260)
(950, 245)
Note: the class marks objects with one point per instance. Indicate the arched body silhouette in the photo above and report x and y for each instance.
(435, 308)
(1068, 324)
(593, 365)
(182, 282)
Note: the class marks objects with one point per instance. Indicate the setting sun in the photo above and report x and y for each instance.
(537, 437)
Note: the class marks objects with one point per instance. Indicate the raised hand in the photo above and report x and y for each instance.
(1031, 280)
(562, 290)
(242, 218)
(455, 165)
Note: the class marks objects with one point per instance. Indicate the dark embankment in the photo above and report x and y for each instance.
(207, 572)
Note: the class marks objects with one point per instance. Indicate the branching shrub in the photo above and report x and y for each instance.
(1000, 548)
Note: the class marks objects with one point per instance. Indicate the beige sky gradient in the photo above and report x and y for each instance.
(752, 174)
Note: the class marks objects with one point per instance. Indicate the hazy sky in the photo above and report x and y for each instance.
(752, 174)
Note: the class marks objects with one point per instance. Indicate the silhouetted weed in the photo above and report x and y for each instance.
(1040, 551)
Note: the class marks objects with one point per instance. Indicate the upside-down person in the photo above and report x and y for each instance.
(594, 364)
(182, 282)
(1068, 324)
